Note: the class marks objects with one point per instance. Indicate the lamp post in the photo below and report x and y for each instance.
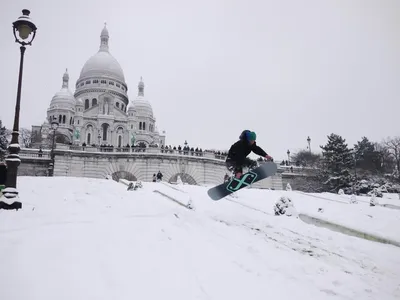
(54, 126)
(26, 34)
(288, 156)
(309, 144)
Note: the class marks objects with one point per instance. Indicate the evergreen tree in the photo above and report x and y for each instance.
(367, 157)
(3, 140)
(337, 163)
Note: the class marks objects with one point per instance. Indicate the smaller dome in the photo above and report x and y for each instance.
(143, 107)
(140, 104)
(63, 98)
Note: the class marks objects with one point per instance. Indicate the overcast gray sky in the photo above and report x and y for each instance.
(212, 68)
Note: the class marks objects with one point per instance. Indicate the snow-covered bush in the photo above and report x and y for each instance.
(134, 186)
(383, 189)
(284, 206)
(190, 204)
(366, 186)
(373, 201)
(376, 192)
(288, 187)
(139, 184)
(321, 210)
(341, 192)
(353, 199)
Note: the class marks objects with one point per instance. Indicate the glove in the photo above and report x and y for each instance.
(269, 158)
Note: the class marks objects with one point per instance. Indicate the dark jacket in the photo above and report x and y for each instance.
(239, 151)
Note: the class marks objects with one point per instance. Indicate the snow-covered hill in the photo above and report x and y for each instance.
(79, 238)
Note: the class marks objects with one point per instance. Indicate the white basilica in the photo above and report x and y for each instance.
(99, 112)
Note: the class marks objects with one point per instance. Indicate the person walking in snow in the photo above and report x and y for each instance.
(159, 176)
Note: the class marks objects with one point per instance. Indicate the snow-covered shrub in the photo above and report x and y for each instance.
(383, 189)
(365, 186)
(341, 192)
(130, 187)
(288, 187)
(134, 186)
(284, 206)
(353, 199)
(373, 201)
(138, 184)
(321, 210)
(190, 204)
(377, 192)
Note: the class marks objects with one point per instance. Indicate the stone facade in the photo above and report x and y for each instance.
(142, 166)
(99, 112)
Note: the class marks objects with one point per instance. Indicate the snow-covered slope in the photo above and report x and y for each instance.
(79, 238)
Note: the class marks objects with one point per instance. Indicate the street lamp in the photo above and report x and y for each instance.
(54, 126)
(309, 143)
(26, 34)
(288, 156)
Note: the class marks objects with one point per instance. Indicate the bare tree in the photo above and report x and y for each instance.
(25, 137)
(392, 148)
(306, 158)
(3, 140)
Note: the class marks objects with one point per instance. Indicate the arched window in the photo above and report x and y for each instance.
(59, 119)
(89, 135)
(119, 141)
(140, 125)
(105, 129)
(86, 103)
(94, 101)
(117, 104)
(63, 119)
(144, 125)
(70, 121)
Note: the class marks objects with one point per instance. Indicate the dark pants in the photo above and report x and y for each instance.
(232, 165)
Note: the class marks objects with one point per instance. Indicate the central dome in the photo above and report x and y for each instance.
(103, 63)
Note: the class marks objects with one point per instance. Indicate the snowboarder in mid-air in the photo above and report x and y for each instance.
(237, 154)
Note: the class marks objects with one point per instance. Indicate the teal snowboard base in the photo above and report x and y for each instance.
(265, 170)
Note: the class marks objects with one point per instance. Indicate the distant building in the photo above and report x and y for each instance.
(99, 112)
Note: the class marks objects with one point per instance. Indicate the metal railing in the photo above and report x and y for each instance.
(28, 152)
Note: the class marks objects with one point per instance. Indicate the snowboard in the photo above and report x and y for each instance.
(261, 172)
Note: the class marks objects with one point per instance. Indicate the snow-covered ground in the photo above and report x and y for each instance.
(79, 238)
